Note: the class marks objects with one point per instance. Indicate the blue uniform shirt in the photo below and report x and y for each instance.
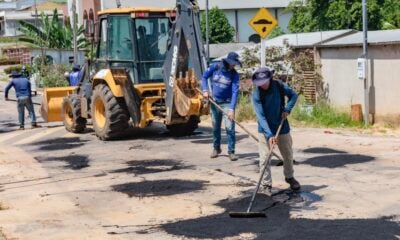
(21, 85)
(74, 78)
(225, 84)
(267, 105)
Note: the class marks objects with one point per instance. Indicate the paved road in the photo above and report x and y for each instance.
(150, 185)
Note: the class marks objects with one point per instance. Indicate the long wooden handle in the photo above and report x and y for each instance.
(236, 122)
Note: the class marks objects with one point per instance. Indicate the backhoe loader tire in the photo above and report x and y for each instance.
(110, 116)
(184, 129)
(71, 114)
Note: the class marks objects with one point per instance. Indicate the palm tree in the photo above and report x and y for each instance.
(52, 34)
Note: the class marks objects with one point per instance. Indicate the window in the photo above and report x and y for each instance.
(102, 49)
(121, 45)
(152, 40)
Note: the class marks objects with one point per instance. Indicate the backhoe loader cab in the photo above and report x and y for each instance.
(125, 82)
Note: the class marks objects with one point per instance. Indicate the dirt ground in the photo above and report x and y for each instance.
(58, 185)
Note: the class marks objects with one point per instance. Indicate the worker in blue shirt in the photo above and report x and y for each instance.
(23, 92)
(75, 75)
(224, 88)
(268, 99)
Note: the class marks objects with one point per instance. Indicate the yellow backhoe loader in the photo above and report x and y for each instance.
(147, 65)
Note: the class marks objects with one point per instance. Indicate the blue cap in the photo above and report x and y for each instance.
(232, 59)
(262, 76)
(76, 67)
(15, 74)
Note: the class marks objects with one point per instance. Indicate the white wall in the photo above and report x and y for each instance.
(339, 72)
(244, 14)
(283, 19)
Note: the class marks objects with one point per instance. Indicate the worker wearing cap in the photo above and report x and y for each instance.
(224, 88)
(268, 99)
(23, 92)
(75, 76)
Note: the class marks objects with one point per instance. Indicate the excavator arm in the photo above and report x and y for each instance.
(184, 64)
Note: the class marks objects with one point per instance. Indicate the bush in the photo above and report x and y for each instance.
(53, 76)
(17, 68)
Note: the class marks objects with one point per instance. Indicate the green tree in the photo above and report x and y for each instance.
(220, 29)
(278, 31)
(391, 14)
(322, 15)
(52, 33)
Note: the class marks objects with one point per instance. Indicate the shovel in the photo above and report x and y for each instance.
(236, 122)
(249, 213)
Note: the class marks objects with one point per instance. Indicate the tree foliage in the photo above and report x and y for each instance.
(278, 31)
(220, 29)
(52, 33)
(322, 15)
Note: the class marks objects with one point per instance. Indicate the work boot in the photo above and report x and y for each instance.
(233, 157)
(21, 127)
(35, 125)
(215, 153)
(266, 189)
(294, 184)
(280, 163)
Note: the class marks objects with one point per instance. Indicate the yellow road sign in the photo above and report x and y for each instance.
(263, 22)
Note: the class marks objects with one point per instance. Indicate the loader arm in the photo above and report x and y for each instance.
(185, 52)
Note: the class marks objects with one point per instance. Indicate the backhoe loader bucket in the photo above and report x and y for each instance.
(50, 108)
(187, 100)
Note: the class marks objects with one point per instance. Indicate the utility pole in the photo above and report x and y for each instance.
(74, 22)
(207, 33)
(365, 56)
(36, 15)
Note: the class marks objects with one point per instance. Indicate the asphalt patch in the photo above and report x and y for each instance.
(55, 144)
(74, 162)
(322, 150)
(279, 224)
(7, 126)
(337, 160)
(152, 166)
(159, 187)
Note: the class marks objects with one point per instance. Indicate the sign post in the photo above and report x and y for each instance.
(263, 23)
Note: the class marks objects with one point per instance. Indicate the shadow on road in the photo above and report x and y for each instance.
(279, 224)
(155, 188)
(55, 144)
(152, 166)
(74, 162)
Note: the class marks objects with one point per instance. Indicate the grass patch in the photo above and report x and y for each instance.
(322, 115)
(244, 109)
